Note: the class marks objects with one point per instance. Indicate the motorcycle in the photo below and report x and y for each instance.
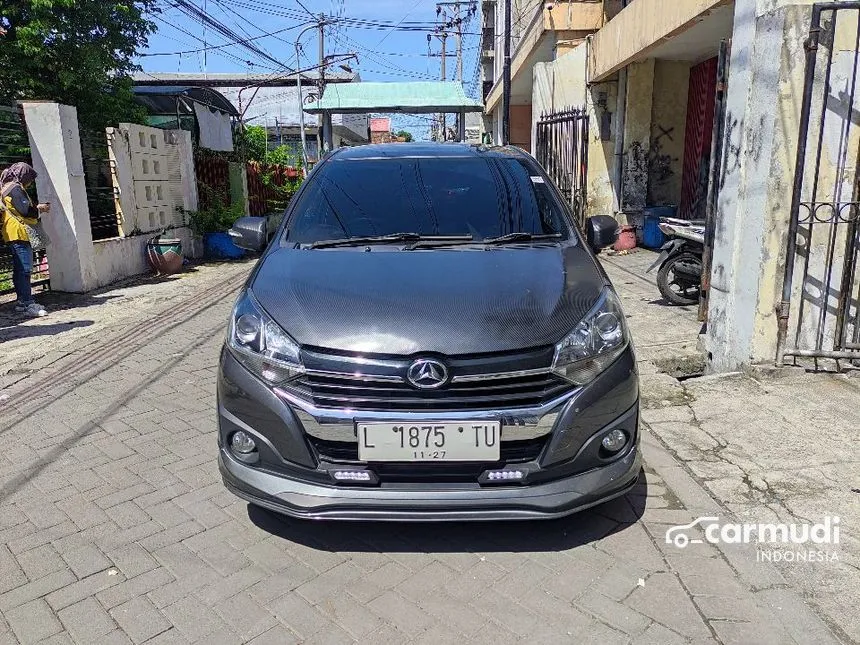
(680, 276)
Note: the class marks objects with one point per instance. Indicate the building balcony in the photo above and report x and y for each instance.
(657, 29)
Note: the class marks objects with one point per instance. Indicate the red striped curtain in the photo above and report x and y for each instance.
(697, 140)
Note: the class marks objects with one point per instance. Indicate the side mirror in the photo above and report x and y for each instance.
(249, 233)
(601, 231)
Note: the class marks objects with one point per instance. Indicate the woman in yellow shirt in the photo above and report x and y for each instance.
(16, 211)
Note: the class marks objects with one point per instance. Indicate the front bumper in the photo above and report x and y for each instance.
(568, 474)
(306, 500)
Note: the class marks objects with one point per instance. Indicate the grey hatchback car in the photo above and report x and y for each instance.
(428, 336)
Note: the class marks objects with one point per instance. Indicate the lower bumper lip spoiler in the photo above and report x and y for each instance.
(550, 500)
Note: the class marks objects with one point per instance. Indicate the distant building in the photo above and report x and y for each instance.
(380, 130)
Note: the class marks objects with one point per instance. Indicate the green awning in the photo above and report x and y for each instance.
(419, 97)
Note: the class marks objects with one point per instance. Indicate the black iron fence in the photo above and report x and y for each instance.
(819, 316)
(104, 220)
(15, 146)
(562, 149)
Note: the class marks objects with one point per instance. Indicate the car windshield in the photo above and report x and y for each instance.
(473, 198)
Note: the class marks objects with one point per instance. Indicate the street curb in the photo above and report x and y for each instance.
(795, 615)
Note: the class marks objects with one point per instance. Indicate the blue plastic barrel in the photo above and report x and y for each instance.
(652, 236)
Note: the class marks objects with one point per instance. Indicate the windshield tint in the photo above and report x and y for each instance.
(484, 197)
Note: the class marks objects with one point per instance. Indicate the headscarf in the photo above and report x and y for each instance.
(19, 172)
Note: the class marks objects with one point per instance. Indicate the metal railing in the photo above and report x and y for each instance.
(98, 177)
(15, 146)
(562, 149)
(819, 314)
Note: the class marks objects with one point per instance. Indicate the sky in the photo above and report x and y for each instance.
(384, 54)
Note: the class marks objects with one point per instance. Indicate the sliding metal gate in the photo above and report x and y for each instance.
(819, 315)
(562, 149)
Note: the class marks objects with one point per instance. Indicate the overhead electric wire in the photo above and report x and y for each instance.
(198, 15)
(405, 16)
(374, 57)
(223, 45)
(225, 54)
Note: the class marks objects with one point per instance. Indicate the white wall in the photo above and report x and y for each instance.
(153, 178)
(155, 183)
(55, 143)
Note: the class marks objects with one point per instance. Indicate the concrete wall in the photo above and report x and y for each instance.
(153, 179)
(155, 183)
(668, 125)
(55, 143)
(763, 108)
(638, 28)
(637, 134)
(120, 258)
(561, 83)
(521, 126)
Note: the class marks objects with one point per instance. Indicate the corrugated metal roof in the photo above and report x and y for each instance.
(414, 98)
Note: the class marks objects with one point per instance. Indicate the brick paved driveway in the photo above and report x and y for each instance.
(114, 528)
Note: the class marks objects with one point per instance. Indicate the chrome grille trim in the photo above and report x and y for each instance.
(357, 376)
(471, 378)
(518, 423)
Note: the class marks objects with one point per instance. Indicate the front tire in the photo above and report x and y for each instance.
(680, 279)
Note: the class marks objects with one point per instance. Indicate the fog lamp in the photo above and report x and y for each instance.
(614, 440)
(242, 443)
(504, 476)
(354, 476)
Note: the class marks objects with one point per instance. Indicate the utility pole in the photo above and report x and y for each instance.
(321, 87)
(506, 77)
(443, 117)
(459, 24)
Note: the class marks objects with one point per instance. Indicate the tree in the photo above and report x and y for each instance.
(254, 141)
(405, 134)
(77, 52)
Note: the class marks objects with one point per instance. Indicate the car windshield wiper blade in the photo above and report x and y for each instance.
(521, 236)
(369, 239)
(440, 240)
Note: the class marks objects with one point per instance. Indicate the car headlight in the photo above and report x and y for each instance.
(260, 344)
(595, 342)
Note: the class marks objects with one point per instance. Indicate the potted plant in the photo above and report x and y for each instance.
(212, 223)
(165, 254)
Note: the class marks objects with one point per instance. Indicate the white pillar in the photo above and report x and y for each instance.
(56, 149)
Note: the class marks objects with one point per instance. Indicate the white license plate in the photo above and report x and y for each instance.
(429, 441)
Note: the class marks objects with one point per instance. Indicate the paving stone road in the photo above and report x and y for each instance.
(115, 528)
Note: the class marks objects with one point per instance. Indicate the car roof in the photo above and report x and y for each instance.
(425, 149)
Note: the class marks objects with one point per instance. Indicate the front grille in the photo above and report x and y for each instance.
(510, 452)
(333, 391)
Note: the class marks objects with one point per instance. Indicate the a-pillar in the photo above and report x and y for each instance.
(637, 134)
(755, 179)
(55, 145)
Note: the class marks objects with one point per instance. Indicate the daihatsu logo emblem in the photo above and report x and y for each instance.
(427, 373)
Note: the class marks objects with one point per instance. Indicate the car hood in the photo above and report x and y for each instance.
(446, 301)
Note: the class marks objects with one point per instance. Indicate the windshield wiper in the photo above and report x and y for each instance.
(440, 240)
(521, 236)
(383, 239)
